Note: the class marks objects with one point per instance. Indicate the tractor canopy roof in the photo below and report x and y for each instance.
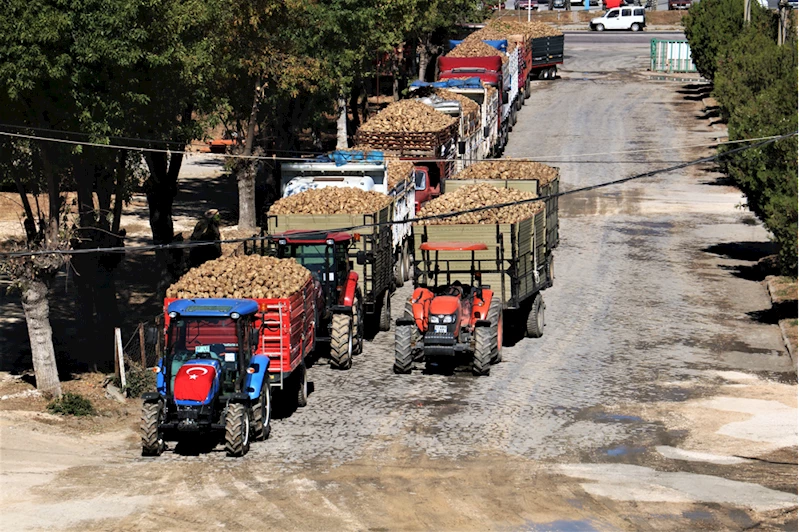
(453, 246)
(213, 307)
(300, 236)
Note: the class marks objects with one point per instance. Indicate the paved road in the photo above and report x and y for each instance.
(620, 37)
(582, 429)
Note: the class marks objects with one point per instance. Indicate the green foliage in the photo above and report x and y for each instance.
(755, 83)
(138, 379)
(71, 404)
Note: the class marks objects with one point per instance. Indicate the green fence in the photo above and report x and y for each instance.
(671, 56)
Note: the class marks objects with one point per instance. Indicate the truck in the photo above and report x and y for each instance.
(470, 282)
(494, 73)
(435, 151)
(470, 132)
(223, 358)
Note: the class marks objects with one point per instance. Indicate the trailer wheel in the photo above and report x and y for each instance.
(385, 313)
(527, 89)
(535, 320)
(553, 73)
(403, 354)
(262, 414)
(152, 440)
(302, 385)
(481, 358)
(237, 430)
(542, 74)
(495, 317)
(406, 258)
(399, 274)
(341, 342)
(357, 324)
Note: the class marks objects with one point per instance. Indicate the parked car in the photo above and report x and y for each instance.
(620, 18)
(559, 4)
(526, 4)
(581, 2)
(493, 6)
(679, 4)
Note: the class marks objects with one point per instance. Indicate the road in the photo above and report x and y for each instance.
(610, 37)
(656, 400)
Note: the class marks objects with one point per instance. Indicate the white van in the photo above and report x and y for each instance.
(620, 18)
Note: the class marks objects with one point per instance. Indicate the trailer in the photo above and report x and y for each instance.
(487, 97)
(548, 189)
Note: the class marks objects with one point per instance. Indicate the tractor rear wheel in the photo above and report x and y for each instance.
(237, 430)
(535, 320)
(385, 313)
(495, 317)
(341, 342)
(403, 355)
(481, 359)
(152, 441)
(262, 414)
(302, 385)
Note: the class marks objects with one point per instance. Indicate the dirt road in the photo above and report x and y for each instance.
(656, 400)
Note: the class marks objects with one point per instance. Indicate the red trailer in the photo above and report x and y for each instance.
(287, 335)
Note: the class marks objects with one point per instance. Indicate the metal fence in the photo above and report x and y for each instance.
(670, 56)
(145, 345)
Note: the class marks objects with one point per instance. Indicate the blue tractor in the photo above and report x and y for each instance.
(210, 379)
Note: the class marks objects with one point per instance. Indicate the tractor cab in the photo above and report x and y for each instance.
(447, 317)
(209, 376)
(325, 255)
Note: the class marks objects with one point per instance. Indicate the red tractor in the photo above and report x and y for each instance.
(450, 321)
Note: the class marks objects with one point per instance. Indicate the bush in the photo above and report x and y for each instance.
(138, 379)
(71, 404)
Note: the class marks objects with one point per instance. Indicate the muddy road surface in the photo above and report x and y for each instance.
(659, 398)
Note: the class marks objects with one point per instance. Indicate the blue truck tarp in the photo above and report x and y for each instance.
(470, 83)
(501, 45)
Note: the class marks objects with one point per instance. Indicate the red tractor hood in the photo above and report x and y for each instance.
(445, 305)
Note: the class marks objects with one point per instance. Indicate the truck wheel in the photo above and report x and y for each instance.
(528, 91)
(635, 26)
(152, 440)
(357, 324)
(542, 74)
(535, 320)
(403, 355)
(495, 317)
(237, 430)
(341, 342)
(408, 266)
(262, 414)
(385, 313)
(481, 359)
(399, 274)
(302, 385)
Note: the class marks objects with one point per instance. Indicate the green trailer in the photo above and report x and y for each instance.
(547, 188)
(371, 255)
(517, 264)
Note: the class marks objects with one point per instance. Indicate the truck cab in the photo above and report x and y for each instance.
(425, 189)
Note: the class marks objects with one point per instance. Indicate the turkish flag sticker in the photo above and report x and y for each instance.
(193, 382)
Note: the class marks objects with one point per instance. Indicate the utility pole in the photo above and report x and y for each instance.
(747, 11)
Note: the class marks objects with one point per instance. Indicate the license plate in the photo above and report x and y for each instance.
(440, 328)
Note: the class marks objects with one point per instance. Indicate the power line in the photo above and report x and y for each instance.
(186, 245)
(557, 158)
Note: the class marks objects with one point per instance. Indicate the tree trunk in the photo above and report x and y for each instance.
(341, 124)
(424, 56)
(30, 220)
(37, 316)
(245, 174)
(355, 123)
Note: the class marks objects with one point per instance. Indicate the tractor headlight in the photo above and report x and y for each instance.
(235, 315)
(442, 318)
(173, 315)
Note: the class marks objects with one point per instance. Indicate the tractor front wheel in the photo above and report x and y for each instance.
(262, 414)
(357, 324)
(341, 342)
(152, 441)
(535, 320)
(481, 359)
(495, 317)
(403, 354)
(237, 430)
